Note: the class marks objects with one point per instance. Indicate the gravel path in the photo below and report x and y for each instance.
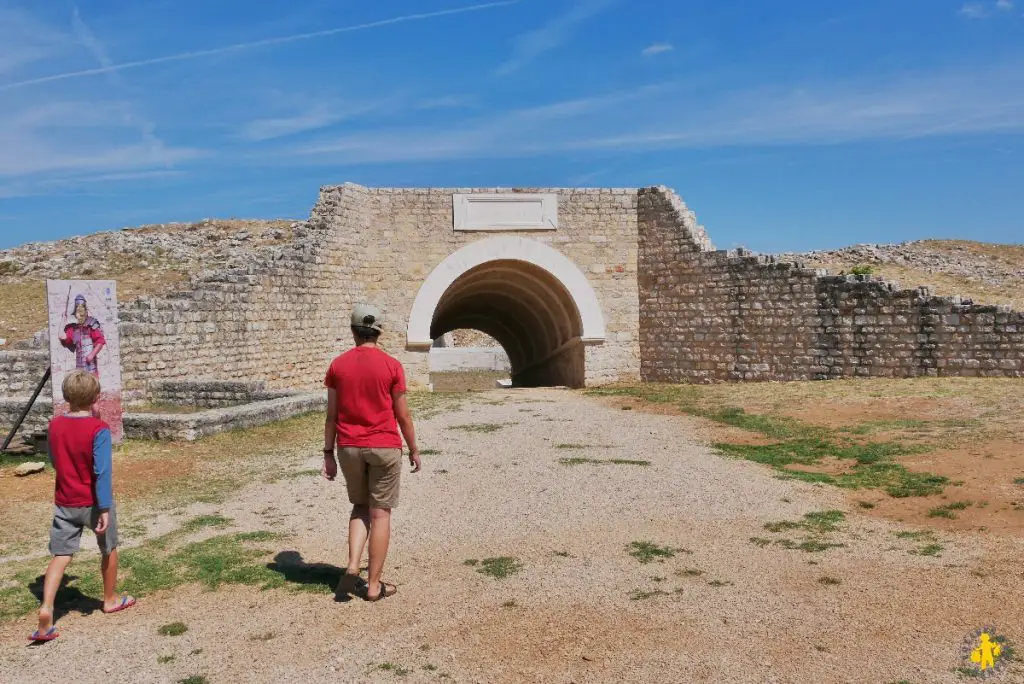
(572, 614)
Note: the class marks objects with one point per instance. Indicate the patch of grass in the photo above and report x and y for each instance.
(719, 583)
(645, 551)
(571, 446)
(500, 567)
(472, 562)
(862, 269)
(866, 504)
(563, 554)
(946, 510)
(311, 472)
(968, 672)
(479, 427)
(798, 443)
(425, 405)
(1019, 481)
(578, 460)
(429, 452)
(808, 545)
(164, 659)
(173, 629)
(510, 604)
(642, 595)
(830, 581)
(196, 651)
(194, 679)
(928, 550)
(430, 668)
(760, 541)
(156, 566)
(817, 522)
(196, 524)
(394, 669)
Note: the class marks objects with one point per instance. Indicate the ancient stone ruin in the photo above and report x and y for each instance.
(579, 286)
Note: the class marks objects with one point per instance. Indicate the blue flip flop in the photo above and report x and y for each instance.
(50, 635)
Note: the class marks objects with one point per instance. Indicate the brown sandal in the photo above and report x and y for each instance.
(385, 591)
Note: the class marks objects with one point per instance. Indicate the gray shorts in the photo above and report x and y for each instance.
(68, 523)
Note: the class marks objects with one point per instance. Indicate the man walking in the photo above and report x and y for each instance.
(366, 406)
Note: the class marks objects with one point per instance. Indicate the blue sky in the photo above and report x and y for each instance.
(795, 124)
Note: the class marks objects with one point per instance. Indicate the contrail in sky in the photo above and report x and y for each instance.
(195, 54)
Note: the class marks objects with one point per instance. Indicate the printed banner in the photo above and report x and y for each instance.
(84, 335)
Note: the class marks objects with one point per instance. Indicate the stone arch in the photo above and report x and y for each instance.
(525, 294)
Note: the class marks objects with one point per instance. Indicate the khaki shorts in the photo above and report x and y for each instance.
(371, 475)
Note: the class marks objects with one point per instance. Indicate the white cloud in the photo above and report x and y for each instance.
(556, 31)
(657, 49)
(985, 10)
(25, 40)
(196, 54)
(975, 10)
(908, 105)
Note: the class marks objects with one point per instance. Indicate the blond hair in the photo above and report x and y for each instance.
(80, 389)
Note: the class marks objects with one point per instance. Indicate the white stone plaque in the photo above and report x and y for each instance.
(505, 211)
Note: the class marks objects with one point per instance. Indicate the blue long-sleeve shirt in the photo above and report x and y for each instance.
(103, 466)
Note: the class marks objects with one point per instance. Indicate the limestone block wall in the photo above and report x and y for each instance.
(211, 394)
(387, 244)
(715, 315)
(21, 370)
(277, 320)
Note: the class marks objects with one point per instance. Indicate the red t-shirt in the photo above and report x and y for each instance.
(71, 449)
(364, 378)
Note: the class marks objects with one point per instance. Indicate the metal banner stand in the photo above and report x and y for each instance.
(21, 418)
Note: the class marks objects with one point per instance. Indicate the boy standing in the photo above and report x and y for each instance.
(81, 452)
(366, 406)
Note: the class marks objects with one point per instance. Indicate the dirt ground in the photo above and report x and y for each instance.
(637, 555)
(970, 430)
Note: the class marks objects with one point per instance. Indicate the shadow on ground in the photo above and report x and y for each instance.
(291, 566)
(69, 599)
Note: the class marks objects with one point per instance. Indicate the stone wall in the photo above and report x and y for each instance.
(706, 315)
(21, 370)
(211, 394)
(727, 315)
(276, 320)
(388, 243)
(38, 417)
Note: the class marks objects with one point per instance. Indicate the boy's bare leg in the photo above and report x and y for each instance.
(380, 537)
(108, 566)
(358, 531)
(51, 583)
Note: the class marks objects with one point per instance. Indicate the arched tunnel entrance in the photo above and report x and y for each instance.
(526, 295)
(529, 313)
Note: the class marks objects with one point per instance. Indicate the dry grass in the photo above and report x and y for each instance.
(466, 381)
(27, 295)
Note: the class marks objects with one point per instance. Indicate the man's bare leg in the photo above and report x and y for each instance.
(358, 531)
(380, 537)
(51, 583)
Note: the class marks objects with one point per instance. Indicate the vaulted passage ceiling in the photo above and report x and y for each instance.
(527, 311)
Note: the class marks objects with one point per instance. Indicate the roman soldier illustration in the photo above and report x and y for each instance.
(84, 336)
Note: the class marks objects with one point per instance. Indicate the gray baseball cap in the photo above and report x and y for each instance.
(367, 316)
